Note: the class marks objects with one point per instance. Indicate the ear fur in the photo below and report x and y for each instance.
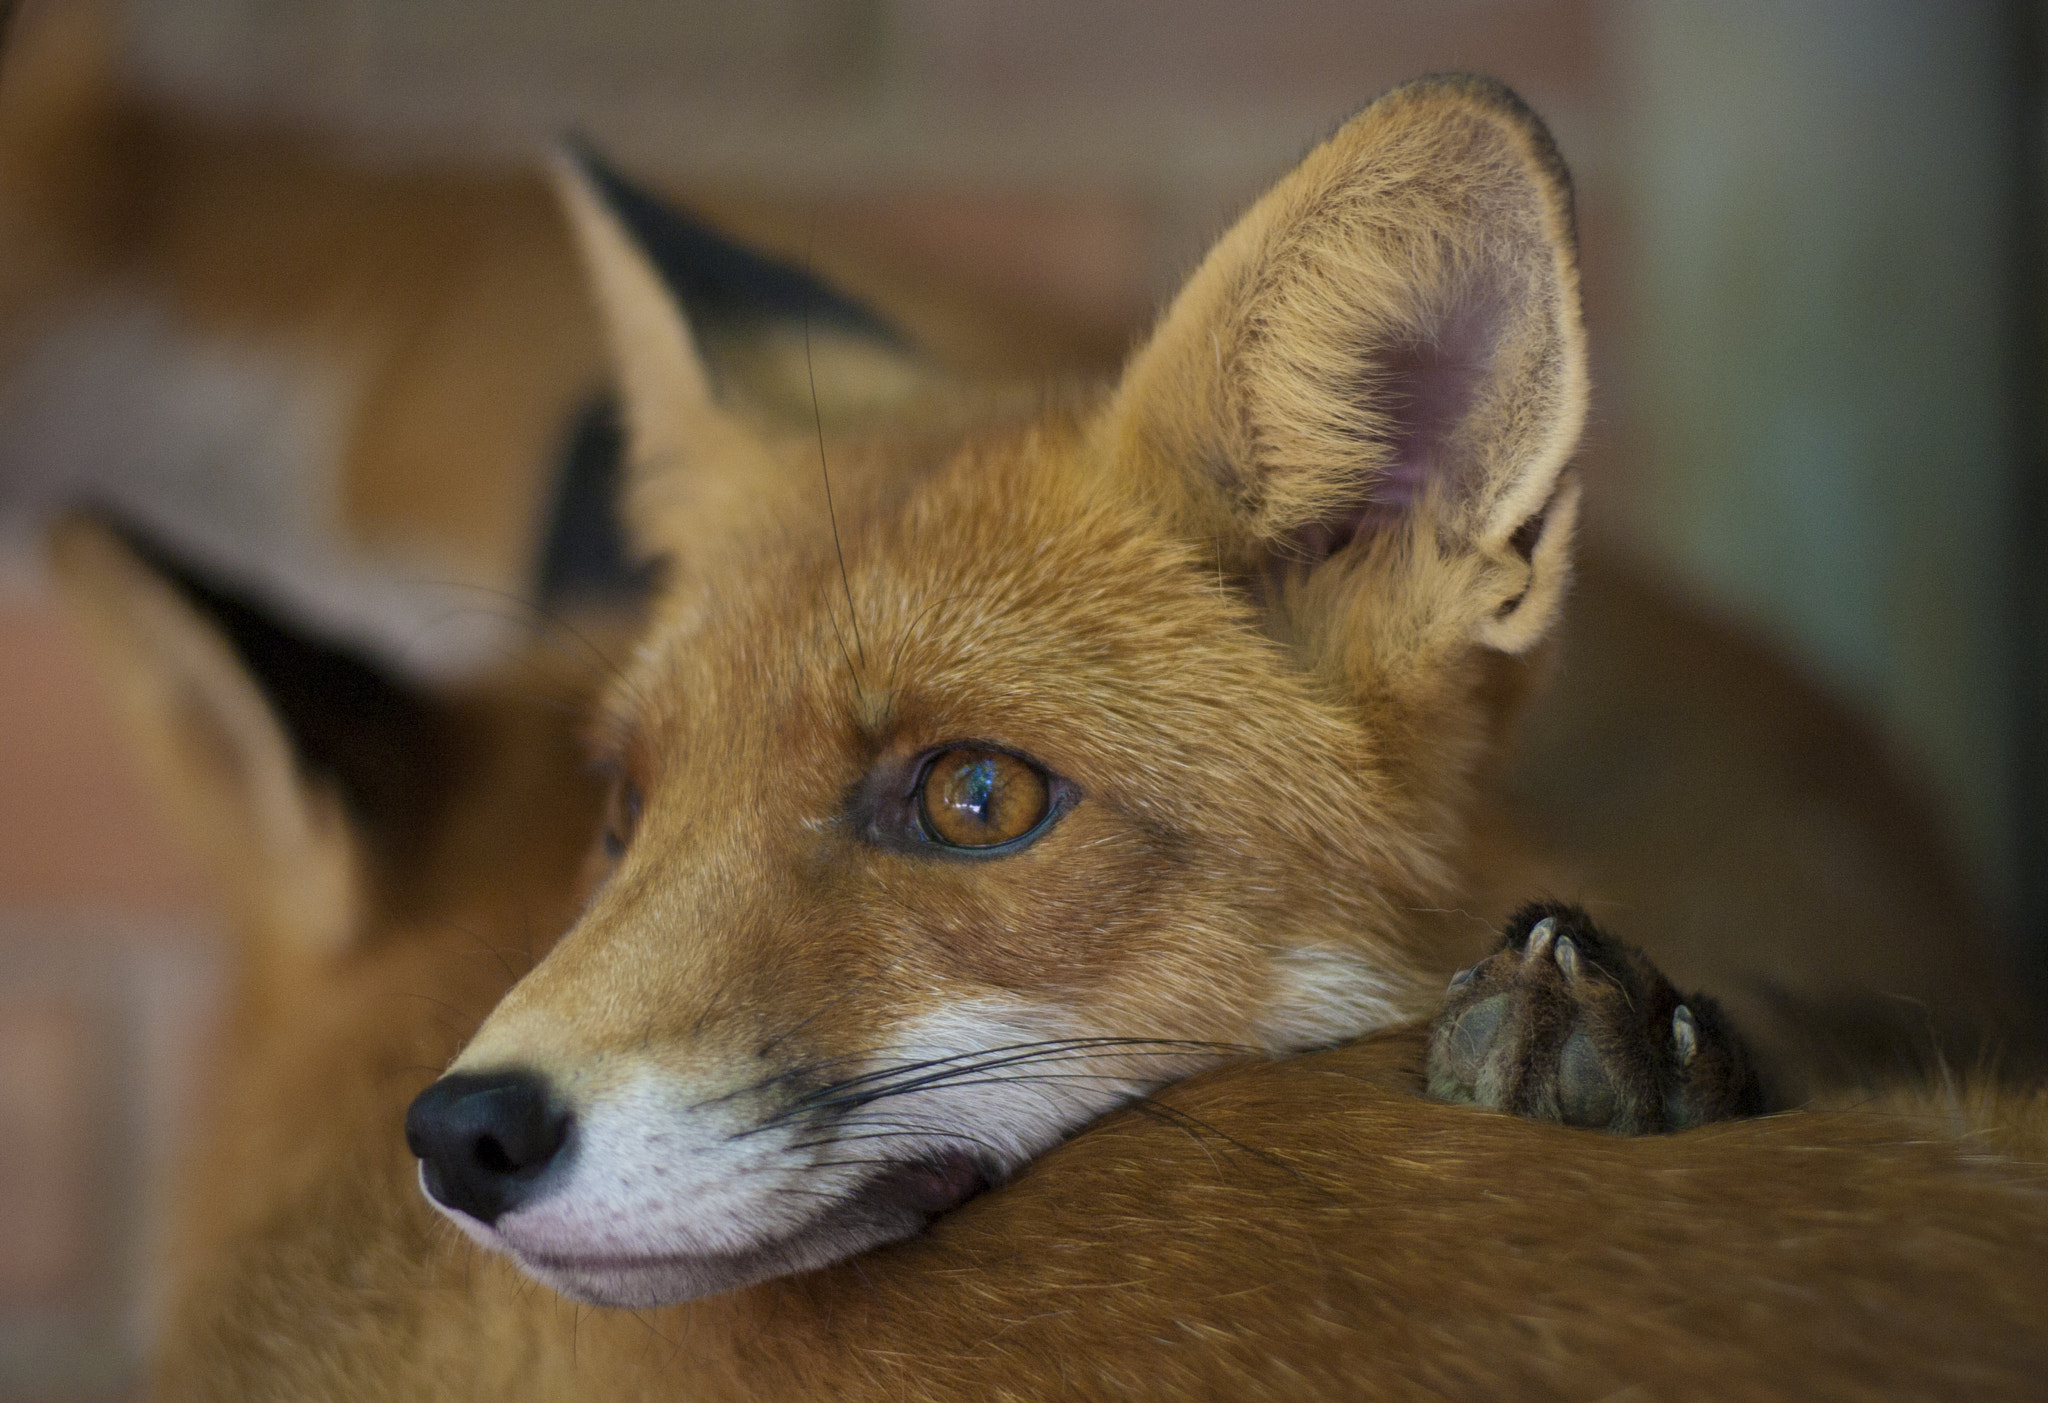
(1384, 358)
(215, 751)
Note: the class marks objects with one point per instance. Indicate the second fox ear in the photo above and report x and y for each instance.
(1384, 358)
(717, 349)
(688, 458)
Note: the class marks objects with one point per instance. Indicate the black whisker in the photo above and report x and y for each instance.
(535, 612)
(648, 1326)
(443, 1003)
(909, 1133)
(846, 1089)
(976, 1068)
(1196, 1127)
(1048, 1047)
(497, 952)
(832, 515)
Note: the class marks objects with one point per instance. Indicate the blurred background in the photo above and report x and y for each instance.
(252, 251)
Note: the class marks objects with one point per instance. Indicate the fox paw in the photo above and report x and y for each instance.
(1566, 1023)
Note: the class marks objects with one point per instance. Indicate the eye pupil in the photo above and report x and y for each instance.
(977, 788)
(981, 798)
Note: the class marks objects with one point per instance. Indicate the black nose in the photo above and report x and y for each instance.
(483, 1139)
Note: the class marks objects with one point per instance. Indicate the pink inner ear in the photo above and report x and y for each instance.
(1426, 384)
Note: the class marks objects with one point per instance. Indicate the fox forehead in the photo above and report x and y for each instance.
(1011, 596)
(1011, 591)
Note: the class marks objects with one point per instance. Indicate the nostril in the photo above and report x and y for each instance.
(484, 1139)
(491, 1155)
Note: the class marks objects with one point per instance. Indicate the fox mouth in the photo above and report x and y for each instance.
(658, 1193)
(930, 1186)
(896, 1203)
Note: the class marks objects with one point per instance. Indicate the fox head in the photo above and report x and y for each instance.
(992, 760)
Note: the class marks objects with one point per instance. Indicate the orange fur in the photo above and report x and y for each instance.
(1294, 1229)
(1278, 758)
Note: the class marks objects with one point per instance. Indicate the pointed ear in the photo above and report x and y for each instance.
(688, 459)
(716, 347)
(302, 774)
(1380, 372)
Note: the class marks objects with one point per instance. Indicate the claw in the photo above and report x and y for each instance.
(1539, 937)
(1464, 976)
(1685, 1035)
(1567, 957)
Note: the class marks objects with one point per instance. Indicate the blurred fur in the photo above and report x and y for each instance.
(1304, 1228)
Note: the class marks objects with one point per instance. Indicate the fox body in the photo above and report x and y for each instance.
(1076, 745)
(1296, 1228)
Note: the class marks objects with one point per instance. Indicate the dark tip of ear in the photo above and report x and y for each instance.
(719, 282)
(1491, 92)
(383, 742)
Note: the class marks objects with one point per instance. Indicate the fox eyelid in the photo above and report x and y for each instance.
(897, 817)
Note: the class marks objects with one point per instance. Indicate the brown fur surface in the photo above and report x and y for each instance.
(1307, 1228)
(1304, 1228)
(1315, 1229)
(1690, 785)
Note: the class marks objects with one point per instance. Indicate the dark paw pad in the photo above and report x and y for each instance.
(1566, 1023)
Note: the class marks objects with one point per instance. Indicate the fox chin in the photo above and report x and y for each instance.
(889, 1206)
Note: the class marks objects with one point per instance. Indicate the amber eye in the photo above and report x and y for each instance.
(982, 798)
(621, 817)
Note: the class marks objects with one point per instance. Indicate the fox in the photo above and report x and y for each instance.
(1077, 792)
(1262, 609)
(1304, 1227)
(418, 373)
